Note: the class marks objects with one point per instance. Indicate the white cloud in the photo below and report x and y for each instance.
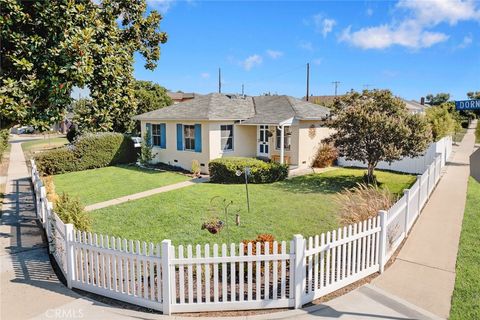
(369, 12)
(251, 61)
(161, 5)
(323, 25)
(306, 45)
(414, 29)
(274, 54)
(466, 42)
(317, 61)
(205, 75)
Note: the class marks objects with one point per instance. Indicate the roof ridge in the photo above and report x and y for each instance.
(291, 105)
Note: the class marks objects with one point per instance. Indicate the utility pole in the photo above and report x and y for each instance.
(308, 81)
(336, 83)
(243, 90)
(219, 80)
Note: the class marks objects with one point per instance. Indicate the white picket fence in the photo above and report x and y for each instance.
(241, 276)
(410, 165)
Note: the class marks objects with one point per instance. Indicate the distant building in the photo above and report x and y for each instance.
(182, 96)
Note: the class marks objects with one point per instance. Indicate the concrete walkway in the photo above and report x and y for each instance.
(28, 285)
(424, 272)
(145, 194)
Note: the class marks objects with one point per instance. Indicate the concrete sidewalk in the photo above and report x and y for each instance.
(28, 285)
(424, 272)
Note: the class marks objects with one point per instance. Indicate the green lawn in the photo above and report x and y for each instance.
(301, 205)
(45, 143)
(102, 184)
(466, 296)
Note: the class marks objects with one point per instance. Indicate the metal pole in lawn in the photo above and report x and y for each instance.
(247, 173)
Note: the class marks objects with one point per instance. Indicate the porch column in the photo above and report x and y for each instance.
(282, 145)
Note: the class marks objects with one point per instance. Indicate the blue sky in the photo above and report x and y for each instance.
(411, 47)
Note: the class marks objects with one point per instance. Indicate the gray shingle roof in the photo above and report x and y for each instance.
(251, 110)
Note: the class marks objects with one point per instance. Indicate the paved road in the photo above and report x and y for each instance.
(30, 290)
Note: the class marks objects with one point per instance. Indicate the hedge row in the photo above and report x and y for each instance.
(88, 152)
(4, 134)
(224, 170)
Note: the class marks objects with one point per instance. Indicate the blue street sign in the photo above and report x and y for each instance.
(468, 105)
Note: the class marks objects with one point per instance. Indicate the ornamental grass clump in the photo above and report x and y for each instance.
(70, 210)
(362, 202)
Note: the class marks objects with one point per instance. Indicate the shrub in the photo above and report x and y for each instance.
(224, 170)
(146, 154)
(325, 156)
(362, 202)
(70, 210)
(103, 149)
(87, 152)
(3, 142)
(56, 161)
(196, 170)
(262, 239)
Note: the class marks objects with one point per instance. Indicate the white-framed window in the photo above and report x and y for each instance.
(226, 132)
(189, 137)
(287, 135)
(156, 135)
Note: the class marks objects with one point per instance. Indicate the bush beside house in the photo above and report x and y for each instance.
(224, 170)
(88, 152)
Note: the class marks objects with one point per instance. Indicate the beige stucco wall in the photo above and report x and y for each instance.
(244, 144)
(302, 151)
(244, 141)
(170, 155)
(309, 143)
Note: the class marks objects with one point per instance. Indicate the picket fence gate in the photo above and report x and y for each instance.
(241, 276)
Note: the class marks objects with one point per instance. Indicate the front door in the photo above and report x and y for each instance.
(263, 147)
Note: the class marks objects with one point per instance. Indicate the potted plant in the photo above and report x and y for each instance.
(213, 225)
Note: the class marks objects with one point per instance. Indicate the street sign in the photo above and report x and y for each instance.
(468, 104)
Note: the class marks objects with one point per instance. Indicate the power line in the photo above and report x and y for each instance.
(336, 83)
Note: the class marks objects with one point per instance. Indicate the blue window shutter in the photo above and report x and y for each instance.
(198, 137)
(149, 133)
(163, 136)
(179, 136)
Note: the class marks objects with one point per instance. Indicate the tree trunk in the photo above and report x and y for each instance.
(370, 174)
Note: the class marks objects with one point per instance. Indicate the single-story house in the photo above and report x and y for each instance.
(280, 128)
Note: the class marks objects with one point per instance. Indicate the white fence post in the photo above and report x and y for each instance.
(166, 277)
(69, 255)
(48, 228)
(406, 192)
(41, 205)
(419, 177)
(299, 283)
(382, 252)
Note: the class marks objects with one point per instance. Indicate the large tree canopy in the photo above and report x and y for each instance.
(50, 46)
(375, 126)
(437, 99)
(150, 96)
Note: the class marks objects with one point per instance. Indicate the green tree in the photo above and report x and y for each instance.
(442, 120)
(375, 126)
(437, 99)
(150, 96)
(48, 47)
(473, 95)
